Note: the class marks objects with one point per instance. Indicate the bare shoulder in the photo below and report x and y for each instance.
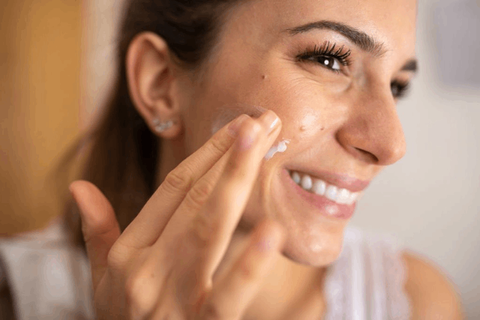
(432, 295)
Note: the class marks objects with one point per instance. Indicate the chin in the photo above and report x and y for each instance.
(316, 249)
(309, 244)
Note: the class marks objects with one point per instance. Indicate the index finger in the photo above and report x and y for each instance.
(152, 219)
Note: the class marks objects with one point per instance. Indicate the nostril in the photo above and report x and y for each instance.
(366, 156)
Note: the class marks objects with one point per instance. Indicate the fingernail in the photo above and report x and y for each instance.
(271, 119)
(235, 125)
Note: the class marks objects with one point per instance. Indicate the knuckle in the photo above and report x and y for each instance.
(139, 302)
(256, 127)
(234, 167)
(219, 145)
(252, 126)
(131, 289)
(178, 180)
(203, 231)
(198, 195)
(120, 255)
(116, 258)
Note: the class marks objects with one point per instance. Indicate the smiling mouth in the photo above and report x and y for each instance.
(320, 187)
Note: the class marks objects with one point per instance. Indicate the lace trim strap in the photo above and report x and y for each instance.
(397, 301)
(367, 280)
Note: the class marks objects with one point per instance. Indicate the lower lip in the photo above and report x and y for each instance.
(323, 205)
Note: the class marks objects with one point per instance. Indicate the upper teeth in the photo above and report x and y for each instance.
(320, 187)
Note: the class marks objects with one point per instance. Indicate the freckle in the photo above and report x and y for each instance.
(323, 128)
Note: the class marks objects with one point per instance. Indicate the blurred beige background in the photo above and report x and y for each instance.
(39, 103)
(429, 199)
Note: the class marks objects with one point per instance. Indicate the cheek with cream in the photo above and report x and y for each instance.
(281, 147)
(312, 239)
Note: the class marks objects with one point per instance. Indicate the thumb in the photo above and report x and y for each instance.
(99, 225)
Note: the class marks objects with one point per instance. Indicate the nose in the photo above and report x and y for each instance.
(373, 132)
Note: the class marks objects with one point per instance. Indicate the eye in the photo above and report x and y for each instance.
(327, 57)
(329, 62)
(399, 88)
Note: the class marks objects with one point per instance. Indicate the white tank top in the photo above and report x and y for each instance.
(49, 279)
(367, 281)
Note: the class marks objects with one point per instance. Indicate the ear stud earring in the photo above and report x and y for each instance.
(163, 126)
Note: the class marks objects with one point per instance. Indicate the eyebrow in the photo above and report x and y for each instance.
(411, 65)
(359, 38)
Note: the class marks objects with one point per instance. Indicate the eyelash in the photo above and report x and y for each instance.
(325, 51)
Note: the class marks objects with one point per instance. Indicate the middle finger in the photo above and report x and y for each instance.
(209, 231)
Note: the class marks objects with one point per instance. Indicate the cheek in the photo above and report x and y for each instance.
(221, 118)
(222, 115)
(306, 102)
(305, 106)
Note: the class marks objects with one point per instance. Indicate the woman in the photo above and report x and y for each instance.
(250, 223)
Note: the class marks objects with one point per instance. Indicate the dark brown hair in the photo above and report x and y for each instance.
(120, 152)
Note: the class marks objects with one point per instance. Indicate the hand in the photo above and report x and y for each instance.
(161, 266)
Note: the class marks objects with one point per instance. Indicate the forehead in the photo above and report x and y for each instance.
(391, 22)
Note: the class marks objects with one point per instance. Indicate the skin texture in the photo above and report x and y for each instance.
(343, 122)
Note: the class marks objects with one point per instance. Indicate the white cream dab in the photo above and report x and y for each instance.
(281, 147)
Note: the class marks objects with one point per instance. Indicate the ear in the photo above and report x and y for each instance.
(151, 76)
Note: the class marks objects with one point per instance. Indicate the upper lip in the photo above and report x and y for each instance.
(336, 179)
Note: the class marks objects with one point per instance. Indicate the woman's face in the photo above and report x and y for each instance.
(337, 105)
